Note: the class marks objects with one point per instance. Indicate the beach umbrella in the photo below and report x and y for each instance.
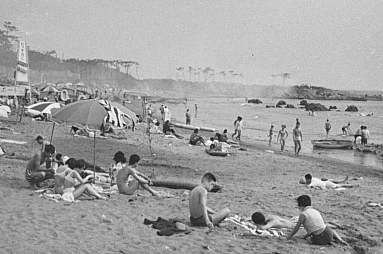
(42, 108)
(86, 113)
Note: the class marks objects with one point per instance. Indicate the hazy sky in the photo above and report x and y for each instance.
(334, 43)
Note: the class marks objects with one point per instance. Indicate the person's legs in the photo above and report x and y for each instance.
(89, 189)
(239, 135)
(299, 147)
(146, 187)
(337, 237)
(295, 147)
(283, 142)
(220, 216)
(235, 133)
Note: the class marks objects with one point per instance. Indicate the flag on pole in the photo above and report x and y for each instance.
(22, 63)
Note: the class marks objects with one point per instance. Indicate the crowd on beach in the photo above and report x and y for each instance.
(74, 178)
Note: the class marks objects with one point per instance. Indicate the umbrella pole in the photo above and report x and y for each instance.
(53, 129)
(94, 156)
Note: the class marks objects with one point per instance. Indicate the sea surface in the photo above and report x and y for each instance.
(220, 113)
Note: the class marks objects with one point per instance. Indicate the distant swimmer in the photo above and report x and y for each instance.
(297, 138)
(271, 133)
(238, 125)
(327, 127)
(282, 136)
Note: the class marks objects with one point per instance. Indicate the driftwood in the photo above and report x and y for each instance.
(181, 185)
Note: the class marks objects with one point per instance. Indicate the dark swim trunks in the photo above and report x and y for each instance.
(324, 238)
(200, 221)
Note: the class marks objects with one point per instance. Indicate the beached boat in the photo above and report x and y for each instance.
(332, 144)
(191, 127)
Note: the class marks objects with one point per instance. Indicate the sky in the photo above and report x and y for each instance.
(336, 44)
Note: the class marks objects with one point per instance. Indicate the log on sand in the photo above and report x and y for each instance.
(181, 185)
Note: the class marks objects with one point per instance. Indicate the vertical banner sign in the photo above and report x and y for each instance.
(22, 63)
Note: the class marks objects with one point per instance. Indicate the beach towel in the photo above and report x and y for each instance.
(168, 227)
(248, 225)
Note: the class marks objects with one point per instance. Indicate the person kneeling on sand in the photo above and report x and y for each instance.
(316, 183)
(200, 214)
(129, 179)
(35, 173)
(70, 184)
(313, 223)
(270, 221)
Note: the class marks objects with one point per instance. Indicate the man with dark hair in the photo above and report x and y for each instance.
(200, 214)
(313, 223)
(196, 139)
(270, 221)
(129, 179)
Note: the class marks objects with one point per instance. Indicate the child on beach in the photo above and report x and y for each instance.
(282, 136)
(270, 221)
(238, 124)
(129, 179)
(313, 223)
(316, 183)
(200, 214)
(297, 138)
(271, 133)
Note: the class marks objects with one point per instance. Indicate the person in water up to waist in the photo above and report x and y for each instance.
(313, 223)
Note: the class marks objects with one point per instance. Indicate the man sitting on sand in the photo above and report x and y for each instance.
(316, 183)
(196, 139)
(129, 179)
(35, 174)
(313, 223)
(270, 221)
(200, 214)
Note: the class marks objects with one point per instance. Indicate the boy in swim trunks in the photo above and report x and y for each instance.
(282, 136)
(129, 179)
(270, 221)
(313, 223)
(200, 214)
(297, 138)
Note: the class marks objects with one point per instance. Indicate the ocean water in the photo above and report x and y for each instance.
(220, 113)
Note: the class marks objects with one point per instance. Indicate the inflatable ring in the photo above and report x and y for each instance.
(64, 95)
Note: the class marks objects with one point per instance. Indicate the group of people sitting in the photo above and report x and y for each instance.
(214, 143)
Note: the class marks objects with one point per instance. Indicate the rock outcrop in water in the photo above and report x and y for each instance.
(316, 107)
(255, 101)
(352, 108)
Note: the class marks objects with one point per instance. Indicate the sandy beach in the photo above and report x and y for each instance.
(253, 180)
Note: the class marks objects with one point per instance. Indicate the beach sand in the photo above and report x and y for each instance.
(253, 180)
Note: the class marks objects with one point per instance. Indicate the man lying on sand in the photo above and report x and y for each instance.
(70, 184)
(313, 182)
(200, 214)
(35, 173)
(270, 221)
(313, 223)
(129, 179)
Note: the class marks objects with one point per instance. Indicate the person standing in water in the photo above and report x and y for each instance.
(271, 133)
(282, 136)
(297, 138)
(327, 127)
(195, 110)
(188, 117)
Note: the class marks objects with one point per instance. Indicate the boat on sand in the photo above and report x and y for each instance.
(332, 144)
